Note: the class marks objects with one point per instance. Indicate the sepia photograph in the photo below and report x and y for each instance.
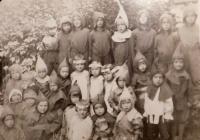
(99, 70)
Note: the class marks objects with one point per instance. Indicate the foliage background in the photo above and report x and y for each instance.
(22, 27)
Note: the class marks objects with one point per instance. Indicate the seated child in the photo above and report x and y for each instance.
(180, 83)
(129, 121)
(121, 82)
(15, 102)
(9, 129)
(14, 82)
(158, 107)
(64, 80)
(42, 125)
(81, 124)
(103, 121)
(70, 111)
(140, 80)
(56, 98)
(96, 80)
(81, 76)
(42, 79)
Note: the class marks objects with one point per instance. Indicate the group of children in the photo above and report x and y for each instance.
(129, 85)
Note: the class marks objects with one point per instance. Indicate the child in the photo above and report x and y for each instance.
(179, 81)
(42, 79)
(9, 129)
(165, 42)
(140, 80)
(42, 125)
(103, 121)
(64, 81)
(14, 82)
(129, 121)
(29, 102)
(121, 82)
(28, 79)
(50, 44)
(144, 36)
(189, 43)
(109, 84)
(96, 80)
(100, 40)
(122, 43)
(81, 124)
(158, 107)
(15, 102)
(70, 111)
(81, 76)
(56, 98)
(64, 42)
(80, 37)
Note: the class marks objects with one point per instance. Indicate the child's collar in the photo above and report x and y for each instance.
(121, 37)
(40, 80)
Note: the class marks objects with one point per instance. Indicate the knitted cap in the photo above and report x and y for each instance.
(166, 16)
(30, 94)
(95, 64)
(81, 17)
(65, 19)
(138, 58)
(126, 95)
(15, 92)
(79, 59)
(122, 17)
(178, 54)
(53, 77)
(64, 63)
(83, 104)
(75, 90)
(107, 68)
(15, 68)
(40, 64)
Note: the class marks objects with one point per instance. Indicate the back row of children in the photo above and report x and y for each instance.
(136, 86)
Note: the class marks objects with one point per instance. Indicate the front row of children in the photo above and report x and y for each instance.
(100, 105)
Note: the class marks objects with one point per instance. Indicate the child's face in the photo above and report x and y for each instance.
(15, 75)
(99, 109)
(190, 19)
(77, 22)
(82, 112)
(158, 79)
(80, 67)
(52, 31)
(142, 67)
(53, 86)
(126, 105)
(66, 27)
(64, 72)
(42, 107)
(95, 71)
(16, 98)
(74, 99)
(165, 25)
(143, 19)
(178, 64)
(121, 28)
(42, 73)
(30, 102)
(108, 76)
(9, 121)
(100, 23)
(121, 82)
